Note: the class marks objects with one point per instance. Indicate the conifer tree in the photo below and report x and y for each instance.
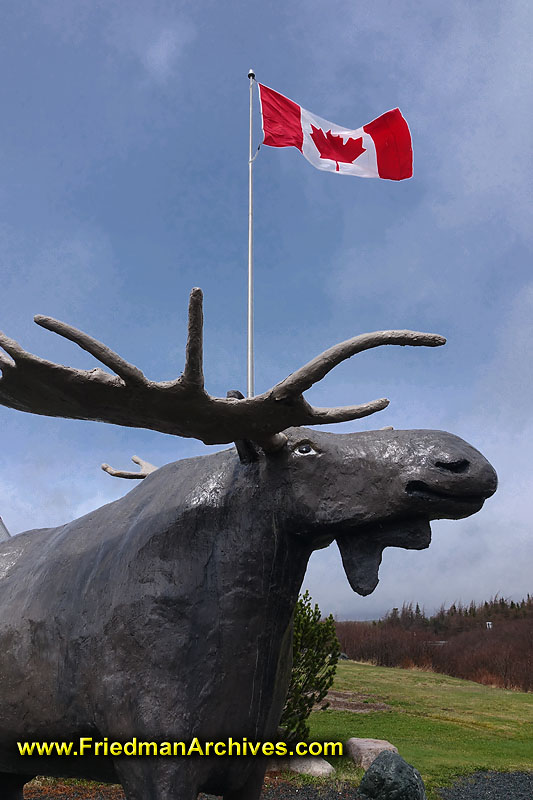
(315, 654)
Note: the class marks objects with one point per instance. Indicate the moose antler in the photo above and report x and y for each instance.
(145, 468)
(181, 407)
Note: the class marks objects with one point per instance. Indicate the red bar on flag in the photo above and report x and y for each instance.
(380, 149)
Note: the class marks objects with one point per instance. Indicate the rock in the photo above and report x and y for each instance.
(311, 765)
(305, 765)
(391, 778)
(278, 765)
(364, 751)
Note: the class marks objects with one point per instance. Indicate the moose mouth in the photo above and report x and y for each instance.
(420, 490)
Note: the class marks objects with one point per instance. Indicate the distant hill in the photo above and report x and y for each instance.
(491, 642)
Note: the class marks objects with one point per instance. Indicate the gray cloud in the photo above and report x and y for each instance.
(59, 273)
(506, 382)
(152, 35)
(155, 42)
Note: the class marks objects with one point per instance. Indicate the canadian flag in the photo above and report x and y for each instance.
(381, 149)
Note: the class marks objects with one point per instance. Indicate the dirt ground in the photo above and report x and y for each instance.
(275, 788)
(48, 789)
(353, 701)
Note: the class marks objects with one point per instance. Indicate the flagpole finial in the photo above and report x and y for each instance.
(251, 74)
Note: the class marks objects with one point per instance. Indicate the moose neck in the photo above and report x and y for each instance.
(237, 594)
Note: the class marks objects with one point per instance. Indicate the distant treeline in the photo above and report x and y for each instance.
(491, 643)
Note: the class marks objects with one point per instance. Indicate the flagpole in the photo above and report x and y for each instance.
(250, 381)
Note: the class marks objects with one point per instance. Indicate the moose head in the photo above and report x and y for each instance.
(385, 484)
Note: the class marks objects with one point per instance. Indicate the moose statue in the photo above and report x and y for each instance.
(166, 615)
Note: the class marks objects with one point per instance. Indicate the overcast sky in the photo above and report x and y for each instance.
(124, 183)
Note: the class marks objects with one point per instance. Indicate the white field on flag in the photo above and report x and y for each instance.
(380, 149)
(321, 138)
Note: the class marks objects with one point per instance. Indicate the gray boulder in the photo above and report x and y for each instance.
(364, 752)
(391, 778)
(305, 765)
(311, 765)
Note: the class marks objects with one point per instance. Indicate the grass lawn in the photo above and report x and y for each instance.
(444, 726)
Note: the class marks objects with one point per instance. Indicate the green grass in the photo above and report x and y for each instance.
(444, 726)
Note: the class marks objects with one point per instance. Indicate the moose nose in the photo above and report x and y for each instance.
(457, 465)
(474, 473)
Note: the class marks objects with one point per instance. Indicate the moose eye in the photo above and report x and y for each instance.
(304, 449)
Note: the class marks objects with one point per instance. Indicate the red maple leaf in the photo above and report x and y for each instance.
(332, 146)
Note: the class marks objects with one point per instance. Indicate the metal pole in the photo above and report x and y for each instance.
(250, 382)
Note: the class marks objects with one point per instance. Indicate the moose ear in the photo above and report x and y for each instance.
(245, 448)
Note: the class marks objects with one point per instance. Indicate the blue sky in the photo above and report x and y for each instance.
(124, 184)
